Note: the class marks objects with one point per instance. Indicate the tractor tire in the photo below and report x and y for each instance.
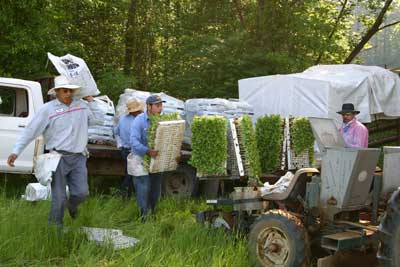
(279, 239)
(389, 250)
(181, 183)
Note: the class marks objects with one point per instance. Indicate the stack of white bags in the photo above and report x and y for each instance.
(170, 104)
(228, 108)
(102, 133)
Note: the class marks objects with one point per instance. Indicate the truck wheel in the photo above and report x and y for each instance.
(278, 238)
(389, 249)
(182, 182)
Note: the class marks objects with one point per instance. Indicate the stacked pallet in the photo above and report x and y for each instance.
(102, 133)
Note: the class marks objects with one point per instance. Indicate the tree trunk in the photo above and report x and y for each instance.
(129, 37)
(371, 32)
(239, 11)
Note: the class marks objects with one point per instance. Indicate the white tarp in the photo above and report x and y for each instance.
(321, 90)
(102, 131)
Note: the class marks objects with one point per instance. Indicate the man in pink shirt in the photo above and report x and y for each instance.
(354, 133)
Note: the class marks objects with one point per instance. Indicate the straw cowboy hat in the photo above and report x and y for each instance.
(62, 82)
(348, 108)
(134, 105)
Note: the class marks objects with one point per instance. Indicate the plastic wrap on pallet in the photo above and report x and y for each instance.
(128, 94)
(102, 140)
(102, 133)
(238, 104)
(170, 104)
(231, 108)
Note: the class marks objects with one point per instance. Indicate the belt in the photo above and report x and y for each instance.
(66, 153)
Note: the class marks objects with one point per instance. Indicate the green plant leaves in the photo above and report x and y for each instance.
(302, 137)
(209, 145)
(269, 133)
(248, 142)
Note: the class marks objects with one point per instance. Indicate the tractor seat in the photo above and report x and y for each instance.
(284, 195)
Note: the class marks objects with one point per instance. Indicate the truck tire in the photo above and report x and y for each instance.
(279, 238)
(182, 182)
(389, 250)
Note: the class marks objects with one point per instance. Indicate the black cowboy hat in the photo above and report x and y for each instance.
(348, 108)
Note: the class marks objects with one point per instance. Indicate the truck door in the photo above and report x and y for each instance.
(16, 110)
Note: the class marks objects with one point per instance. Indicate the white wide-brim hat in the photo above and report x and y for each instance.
(62, 82)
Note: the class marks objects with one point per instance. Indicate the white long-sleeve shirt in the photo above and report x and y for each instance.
(63, 127)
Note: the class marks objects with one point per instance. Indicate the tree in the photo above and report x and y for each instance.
(376, 27)
(26, 34)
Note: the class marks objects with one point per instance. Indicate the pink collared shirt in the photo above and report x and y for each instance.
(355, 134)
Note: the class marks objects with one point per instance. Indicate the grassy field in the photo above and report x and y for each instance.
(170, 238)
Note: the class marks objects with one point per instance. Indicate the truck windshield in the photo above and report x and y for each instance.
(14, 102)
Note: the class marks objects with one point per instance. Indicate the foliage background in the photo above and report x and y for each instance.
(197, 48)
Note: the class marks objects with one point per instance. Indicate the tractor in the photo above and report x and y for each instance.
(332, 209)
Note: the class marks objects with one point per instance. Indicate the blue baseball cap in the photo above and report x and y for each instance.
(153, 99)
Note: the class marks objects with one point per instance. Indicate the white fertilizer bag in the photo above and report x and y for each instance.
(77, 72)
(136, 165)
(36, 191)
(45, 165)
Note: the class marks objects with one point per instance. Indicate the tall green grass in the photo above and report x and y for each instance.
(170, 238)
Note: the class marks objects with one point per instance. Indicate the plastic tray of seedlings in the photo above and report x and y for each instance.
(302, 159)
(298, 161)
(168, 142)
(247, 148)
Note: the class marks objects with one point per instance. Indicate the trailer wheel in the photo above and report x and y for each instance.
(389, 249)
(182, 182)
(279, 238)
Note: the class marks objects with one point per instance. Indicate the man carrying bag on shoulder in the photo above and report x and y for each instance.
(63, 122)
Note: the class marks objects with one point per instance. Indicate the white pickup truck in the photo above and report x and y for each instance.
(20, 100)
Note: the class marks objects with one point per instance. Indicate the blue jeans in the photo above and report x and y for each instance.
(148, 191)
(127, 184)
(70, 171)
